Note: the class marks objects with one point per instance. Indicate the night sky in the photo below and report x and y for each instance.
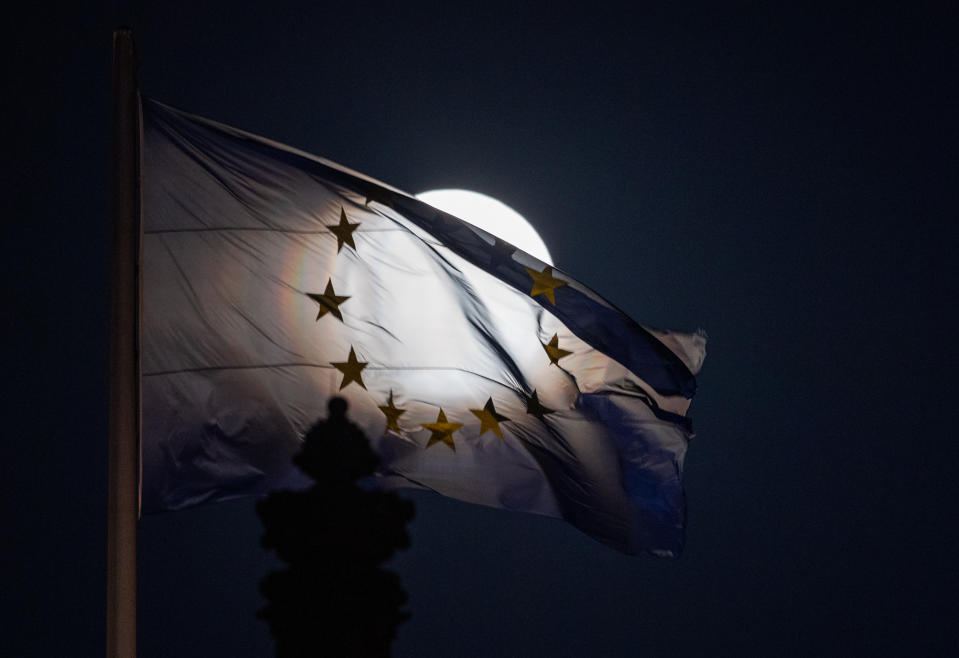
(784, 178)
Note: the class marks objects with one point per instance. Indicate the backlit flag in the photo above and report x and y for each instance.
(274, 280)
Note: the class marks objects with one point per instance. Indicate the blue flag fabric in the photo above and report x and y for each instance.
(274, 280)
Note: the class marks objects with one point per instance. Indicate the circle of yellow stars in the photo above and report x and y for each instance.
(442, 430)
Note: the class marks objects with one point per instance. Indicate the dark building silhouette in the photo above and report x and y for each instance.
(334, 598)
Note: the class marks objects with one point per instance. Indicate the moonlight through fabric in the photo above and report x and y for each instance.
(273, 280)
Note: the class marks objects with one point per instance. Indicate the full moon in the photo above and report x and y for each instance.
(490, 215)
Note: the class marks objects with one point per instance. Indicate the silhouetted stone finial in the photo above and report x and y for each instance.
(337, 407)
(334, 597)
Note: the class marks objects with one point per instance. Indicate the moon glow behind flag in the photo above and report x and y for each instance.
(273, 280)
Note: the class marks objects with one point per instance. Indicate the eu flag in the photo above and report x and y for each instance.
(273, 280)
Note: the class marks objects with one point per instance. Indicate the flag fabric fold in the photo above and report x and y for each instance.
(273, 280)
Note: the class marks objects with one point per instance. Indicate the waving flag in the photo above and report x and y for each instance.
(274, 280)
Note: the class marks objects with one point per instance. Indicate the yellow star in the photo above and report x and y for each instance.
(393, 414)
(351, 369)
(489, 419)
(442, 431)
(343, 231)
(535, 408)
(329, 301)
(544, 283)
(553, 350)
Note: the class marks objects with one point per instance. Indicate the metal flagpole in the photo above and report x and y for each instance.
(124, 446)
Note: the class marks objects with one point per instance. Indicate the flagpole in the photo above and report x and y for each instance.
(123, 450)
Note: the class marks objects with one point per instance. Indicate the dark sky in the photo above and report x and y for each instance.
(784, 178)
